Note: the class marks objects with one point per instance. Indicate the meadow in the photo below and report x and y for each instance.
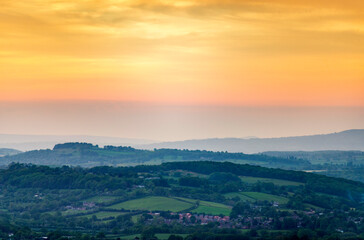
(265, 197)
(153, 204)
(210, 208)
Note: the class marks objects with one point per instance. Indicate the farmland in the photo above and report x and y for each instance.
(153, 204)
(138, 200)
(265, 197)
(207, 207)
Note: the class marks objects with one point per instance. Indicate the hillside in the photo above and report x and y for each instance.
(346, 140)
(322, 157)
(179, 198)
(88, 155)
(343, 164)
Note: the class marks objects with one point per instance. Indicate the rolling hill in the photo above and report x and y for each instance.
(133, 199)
(322, 157)
(88, 155)
(346, 140)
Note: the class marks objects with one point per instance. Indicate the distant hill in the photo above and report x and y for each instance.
(343, 164)
(346, 140)
(88, 155)
(8, 151)
(323, 157)
(35, 142)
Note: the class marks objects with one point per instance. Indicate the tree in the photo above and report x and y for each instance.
(100, 235)
(175, 237)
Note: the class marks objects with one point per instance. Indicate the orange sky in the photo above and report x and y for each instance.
(246, 52)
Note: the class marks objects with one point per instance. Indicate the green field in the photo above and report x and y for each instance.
(153, 204)
(257, 196)
(74, 212)
(209, 207)
(265, 197)
(278, 182)
(212, 210)
(241, 196)
(102, 215)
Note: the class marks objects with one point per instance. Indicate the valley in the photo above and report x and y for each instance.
(180, 198)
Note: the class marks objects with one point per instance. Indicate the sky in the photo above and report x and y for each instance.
(177, 60)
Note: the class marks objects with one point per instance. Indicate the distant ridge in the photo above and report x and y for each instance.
(35, 142)
(89, 155)
(8, 152)
(346, 140)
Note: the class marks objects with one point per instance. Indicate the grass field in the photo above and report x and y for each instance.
(102, 215)
(212, 210)
(74, 212)
(241, 196)
(153, 204)
(257, 196)
(209, 207)
(278, 182)
(265, 197)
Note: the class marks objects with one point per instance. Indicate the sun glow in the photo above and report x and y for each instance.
(193, 52)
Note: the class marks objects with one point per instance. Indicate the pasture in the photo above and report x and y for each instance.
(210, 208)
(239, 195)
(153, 204)
(265, 197)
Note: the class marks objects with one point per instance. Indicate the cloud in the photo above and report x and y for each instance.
(222, 47)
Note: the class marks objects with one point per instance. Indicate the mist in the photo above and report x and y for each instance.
(170, 123)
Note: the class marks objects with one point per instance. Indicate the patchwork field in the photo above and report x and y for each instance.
(153, 204)
(172, 204)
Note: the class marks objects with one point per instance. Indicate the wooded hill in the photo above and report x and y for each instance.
(178, 198)
(88, 155)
